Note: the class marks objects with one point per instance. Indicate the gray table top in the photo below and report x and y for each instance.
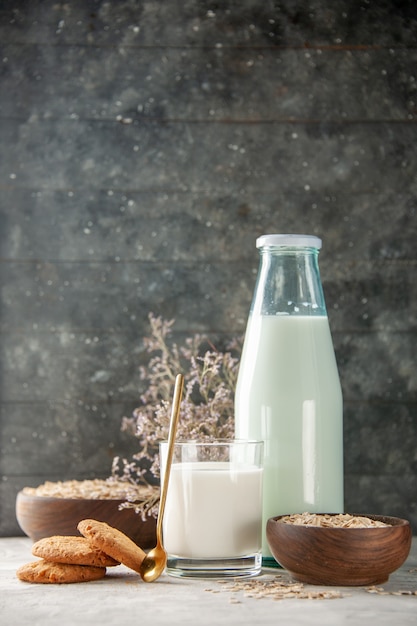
(122, 597)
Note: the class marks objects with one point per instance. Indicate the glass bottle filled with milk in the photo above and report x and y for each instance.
(288, 392)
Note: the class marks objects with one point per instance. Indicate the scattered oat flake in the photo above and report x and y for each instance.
(379, 590)
(404, 592)
(340, 520)
(383, 592)
(277, 589)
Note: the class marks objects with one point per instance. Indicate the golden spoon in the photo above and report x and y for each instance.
(154, 562)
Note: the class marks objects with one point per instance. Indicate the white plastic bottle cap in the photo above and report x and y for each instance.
(307, 241)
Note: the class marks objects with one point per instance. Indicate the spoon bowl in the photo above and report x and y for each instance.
(155, 561)
(153, 564)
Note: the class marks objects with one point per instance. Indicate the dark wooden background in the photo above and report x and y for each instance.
(144, 147)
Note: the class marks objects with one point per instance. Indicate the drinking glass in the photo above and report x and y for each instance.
(213, 515)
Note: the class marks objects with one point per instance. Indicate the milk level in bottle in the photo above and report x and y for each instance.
(288, 392)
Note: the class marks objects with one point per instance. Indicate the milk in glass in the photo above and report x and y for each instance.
(213, 511)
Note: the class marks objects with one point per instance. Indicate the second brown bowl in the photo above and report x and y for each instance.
(340, 556)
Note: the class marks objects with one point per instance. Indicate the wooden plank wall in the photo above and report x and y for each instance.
(144, 147)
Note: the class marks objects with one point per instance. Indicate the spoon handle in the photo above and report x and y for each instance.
(175, 413)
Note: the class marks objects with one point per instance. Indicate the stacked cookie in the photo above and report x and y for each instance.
(66, 559)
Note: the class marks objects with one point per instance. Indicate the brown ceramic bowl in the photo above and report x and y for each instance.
(340, 556)
(41, 516)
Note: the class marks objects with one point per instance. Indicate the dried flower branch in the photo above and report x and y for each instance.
(207, 408)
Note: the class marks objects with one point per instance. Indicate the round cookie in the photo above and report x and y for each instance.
(113, 542)
(73, 550)
(47, 572)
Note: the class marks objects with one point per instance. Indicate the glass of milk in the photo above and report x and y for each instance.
(213, 516)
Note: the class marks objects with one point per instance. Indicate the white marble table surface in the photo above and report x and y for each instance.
(122, 598)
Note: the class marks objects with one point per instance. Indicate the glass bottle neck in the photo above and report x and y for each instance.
(288, 282)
